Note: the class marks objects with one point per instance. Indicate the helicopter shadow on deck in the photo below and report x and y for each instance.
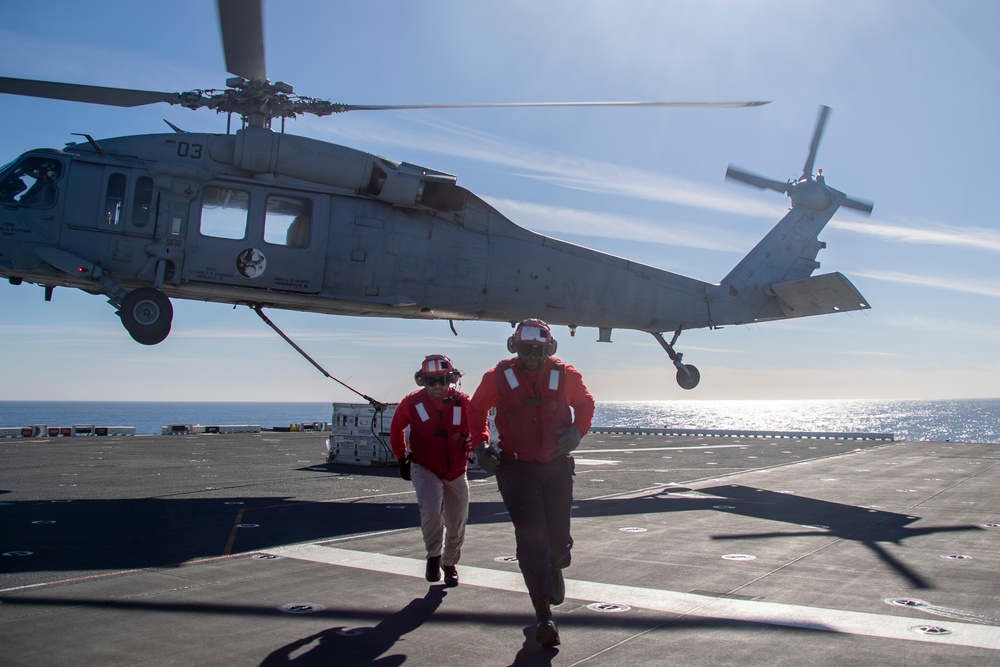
(870, 527)
(113, 534)
(163, 532)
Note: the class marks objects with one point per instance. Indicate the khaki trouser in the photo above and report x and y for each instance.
(444, 511)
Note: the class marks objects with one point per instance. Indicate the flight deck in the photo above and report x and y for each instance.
(251, 549)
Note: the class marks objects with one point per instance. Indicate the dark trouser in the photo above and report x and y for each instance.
(538, 497)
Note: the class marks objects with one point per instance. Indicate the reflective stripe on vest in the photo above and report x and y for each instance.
(422, 412)
(456, 416)
(514, 384)
(554, 380)
(511, 378)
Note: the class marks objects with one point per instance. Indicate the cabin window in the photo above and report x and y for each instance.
(114, 199)
(288, 221)
(224, 213)
(142, 201)
(32, 183)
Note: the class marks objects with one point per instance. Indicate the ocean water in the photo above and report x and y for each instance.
(149, 417)
(966, 420)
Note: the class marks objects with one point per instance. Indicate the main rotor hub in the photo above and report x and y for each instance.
(257, 101)
(810, 194)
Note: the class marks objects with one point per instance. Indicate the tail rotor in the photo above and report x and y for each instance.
(809, 190)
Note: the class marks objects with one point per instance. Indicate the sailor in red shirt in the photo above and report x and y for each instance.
(543, 410)
(439, 448)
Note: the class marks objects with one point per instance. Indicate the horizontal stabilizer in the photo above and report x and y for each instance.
(818, 295)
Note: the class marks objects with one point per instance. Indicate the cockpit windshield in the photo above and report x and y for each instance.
(31, 181)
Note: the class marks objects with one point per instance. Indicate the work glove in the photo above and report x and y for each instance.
(569, 439)
(487, 457)
(404, 468)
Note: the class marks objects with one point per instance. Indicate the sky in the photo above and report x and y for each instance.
(914, 88)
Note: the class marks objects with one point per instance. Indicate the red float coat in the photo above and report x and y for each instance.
(439, 432)
(533, 407)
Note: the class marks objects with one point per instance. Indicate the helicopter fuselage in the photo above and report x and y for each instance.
(308, 225)
(281, 221)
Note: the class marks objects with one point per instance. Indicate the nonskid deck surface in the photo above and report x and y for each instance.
(248, 549)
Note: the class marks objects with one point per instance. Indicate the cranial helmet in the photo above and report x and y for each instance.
(44, 170)
(437, 365)
(532, 332)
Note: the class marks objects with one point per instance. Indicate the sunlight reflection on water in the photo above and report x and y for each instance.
(971, 420)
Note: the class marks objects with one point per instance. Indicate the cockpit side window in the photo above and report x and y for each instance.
(32, 182)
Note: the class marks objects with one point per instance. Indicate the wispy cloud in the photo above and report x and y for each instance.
(615, 180)
(573, 172)
(946, 235)
(44, 334)
(568, 171)
(951, 283)
(564, 220)
(950, 328)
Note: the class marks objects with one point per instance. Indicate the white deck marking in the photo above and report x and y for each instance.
(771, 613)
(636, 450)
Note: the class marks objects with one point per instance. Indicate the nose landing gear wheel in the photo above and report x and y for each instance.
(146, 314)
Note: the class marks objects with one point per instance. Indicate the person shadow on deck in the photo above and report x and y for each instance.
(360, 646)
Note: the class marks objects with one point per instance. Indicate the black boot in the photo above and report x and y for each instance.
(558, 586)
(546, 632)
(450, 575)
(433, 569)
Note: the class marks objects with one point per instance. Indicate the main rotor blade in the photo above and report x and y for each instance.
(807, 170)
(761, 182)
(389, 107)
(74, 92)
(242, 27)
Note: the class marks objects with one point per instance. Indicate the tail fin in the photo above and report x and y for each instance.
(774, 280)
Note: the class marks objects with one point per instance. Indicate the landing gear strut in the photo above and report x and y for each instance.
(146, 314)
(688, 376)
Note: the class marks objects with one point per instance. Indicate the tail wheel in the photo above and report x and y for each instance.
(146, 314)
(688, 376)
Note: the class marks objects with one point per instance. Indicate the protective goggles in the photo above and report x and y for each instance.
(530, 349)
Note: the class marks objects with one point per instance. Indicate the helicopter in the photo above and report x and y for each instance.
(267, 219)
